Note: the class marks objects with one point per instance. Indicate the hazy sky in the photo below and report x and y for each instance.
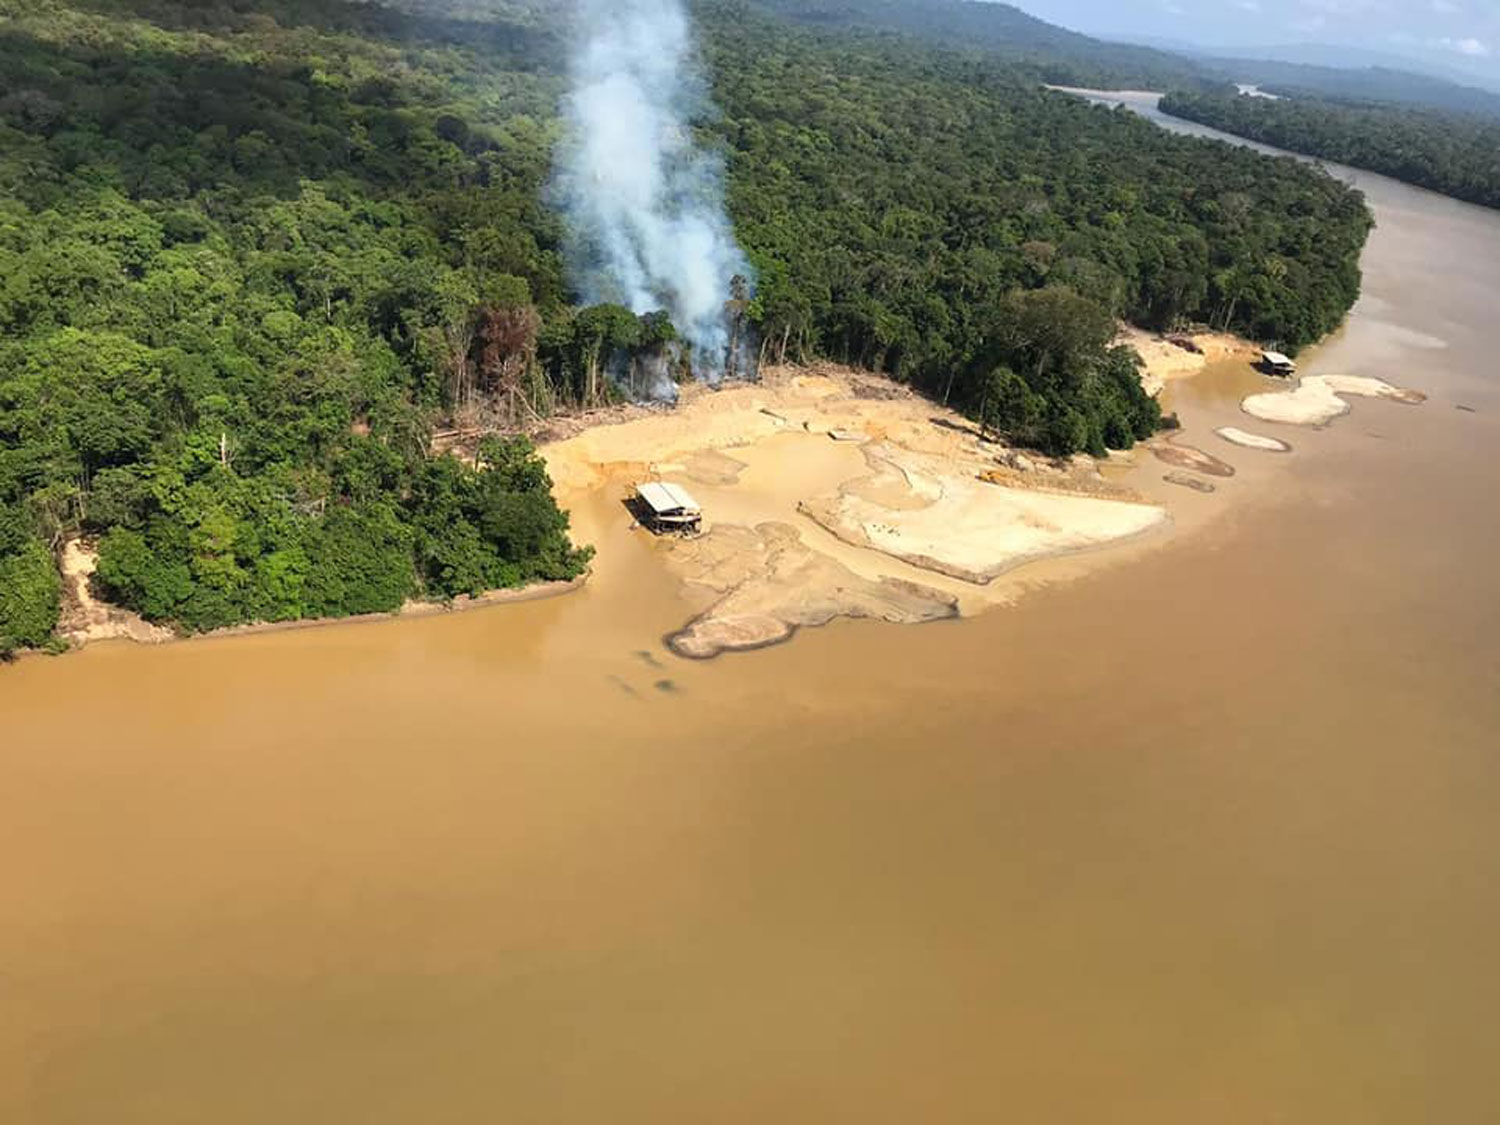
(1465, 33)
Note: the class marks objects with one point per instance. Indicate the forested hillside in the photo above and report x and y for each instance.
(1053, 53)
(1456, 154)
(1370, 84)
(251, 253)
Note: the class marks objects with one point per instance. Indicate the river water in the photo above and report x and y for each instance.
(1206, 835)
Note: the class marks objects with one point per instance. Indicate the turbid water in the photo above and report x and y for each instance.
(1206, 835)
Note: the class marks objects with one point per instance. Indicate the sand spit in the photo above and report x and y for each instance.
(1317, 400)
(1236, 436)
(932, 514)
(764, 583)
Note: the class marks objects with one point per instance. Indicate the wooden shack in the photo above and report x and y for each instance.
(1274, 363)
(665, 507)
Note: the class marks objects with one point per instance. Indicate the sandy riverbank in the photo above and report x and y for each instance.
(831, 493)
(85, 619)
(1181, 355)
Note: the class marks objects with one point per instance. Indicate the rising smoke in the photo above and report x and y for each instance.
(644, 204)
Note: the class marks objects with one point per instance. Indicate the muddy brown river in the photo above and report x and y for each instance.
(1209, 834)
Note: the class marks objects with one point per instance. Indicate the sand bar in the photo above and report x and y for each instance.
(1188, 480)
(1317, 399)
(1236, 436)
(1191, 458)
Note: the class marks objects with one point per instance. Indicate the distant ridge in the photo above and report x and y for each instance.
(1350, 58)
(1060, 55)
(1365, 84)
(1000, 29)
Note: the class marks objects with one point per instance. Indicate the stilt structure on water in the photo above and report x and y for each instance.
(1274, 363)
(668, 508)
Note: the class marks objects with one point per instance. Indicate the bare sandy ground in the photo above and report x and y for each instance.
(829, 493)
(917, 508)
(85, 619)
(1166, 359)
(704, 422)
(1316, 400)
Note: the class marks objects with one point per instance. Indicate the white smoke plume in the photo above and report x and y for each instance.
(644, 204)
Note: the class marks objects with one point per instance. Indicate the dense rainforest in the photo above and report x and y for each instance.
(252, 253)
(247, 257)
(926, 213)
(1457, 154)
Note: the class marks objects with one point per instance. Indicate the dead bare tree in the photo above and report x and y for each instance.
(736, 313)
(453, 343)
(507, 349)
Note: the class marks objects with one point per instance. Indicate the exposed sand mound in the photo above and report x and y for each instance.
(917, 508)
(1187, 457)
(1237, 436)
(764, 583)
(1316, 400)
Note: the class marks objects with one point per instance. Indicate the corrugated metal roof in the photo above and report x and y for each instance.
(1277, 358)
(664, 497)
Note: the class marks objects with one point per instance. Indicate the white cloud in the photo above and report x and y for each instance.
(1474, 48)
